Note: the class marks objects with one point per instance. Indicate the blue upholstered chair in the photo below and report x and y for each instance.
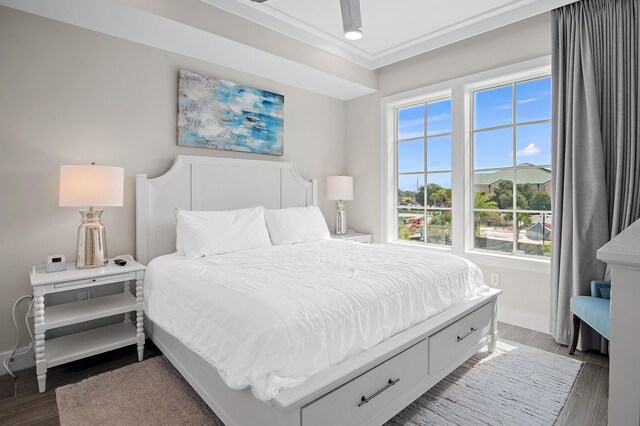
(594, 310)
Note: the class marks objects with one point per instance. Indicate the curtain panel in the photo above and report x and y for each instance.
(595, 158)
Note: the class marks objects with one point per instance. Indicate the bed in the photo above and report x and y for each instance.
(330, 332)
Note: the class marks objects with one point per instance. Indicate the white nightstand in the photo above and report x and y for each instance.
(352, 235)
(87, 343)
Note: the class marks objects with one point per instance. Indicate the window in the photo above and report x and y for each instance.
(423, 172)
(466, 166)
(511, 143)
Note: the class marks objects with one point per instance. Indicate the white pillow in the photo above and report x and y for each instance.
(201, 233)
(296, 225)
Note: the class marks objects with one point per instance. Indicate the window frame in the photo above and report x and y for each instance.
(508, 80)
(512, 81)
(459, 89)
(429, 98)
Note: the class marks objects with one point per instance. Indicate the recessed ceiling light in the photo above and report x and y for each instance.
(353, 35)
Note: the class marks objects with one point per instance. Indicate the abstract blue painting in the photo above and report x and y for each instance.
(219, 114)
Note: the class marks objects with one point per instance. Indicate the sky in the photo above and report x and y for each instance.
(492, 148)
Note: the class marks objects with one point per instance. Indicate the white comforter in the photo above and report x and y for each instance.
(270, 318)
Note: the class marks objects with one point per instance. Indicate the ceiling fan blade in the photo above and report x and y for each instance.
(351, 19)
(258, 1)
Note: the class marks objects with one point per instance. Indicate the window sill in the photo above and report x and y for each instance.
(421, 246)
(519, 263)
(529, 264)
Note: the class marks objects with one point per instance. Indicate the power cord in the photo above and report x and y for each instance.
(7, 362)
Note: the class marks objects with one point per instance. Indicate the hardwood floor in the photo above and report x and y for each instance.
(21, 404)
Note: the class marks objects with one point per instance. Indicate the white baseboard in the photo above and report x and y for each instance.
(21, 362)
(530, 320)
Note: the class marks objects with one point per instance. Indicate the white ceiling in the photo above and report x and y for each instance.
(393, 30)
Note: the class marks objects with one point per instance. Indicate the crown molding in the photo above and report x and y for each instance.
(272, 18)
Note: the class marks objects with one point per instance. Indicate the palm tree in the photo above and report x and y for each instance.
(482, 201)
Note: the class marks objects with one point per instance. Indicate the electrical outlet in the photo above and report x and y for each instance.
(84, 295)
(495, 280)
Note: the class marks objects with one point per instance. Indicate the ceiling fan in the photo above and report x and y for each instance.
(351, 20)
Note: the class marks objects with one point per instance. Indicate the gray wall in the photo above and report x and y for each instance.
(524, 292)
(72, 96)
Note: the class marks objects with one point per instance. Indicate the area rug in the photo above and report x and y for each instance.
(516, 385)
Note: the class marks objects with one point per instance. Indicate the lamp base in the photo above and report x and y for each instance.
(341, 219)
(92, 241)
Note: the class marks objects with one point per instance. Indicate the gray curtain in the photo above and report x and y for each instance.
(596, 153)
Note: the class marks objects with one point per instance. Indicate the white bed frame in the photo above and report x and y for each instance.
(368, 388)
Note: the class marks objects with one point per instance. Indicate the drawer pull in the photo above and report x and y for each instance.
(365, 399)
(460, 339)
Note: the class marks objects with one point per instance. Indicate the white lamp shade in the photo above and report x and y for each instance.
(340, 188)
(89, 186)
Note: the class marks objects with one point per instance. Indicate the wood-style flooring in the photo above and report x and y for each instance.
(21, 404)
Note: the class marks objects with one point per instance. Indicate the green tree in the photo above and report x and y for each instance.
(420, 196)
(524, 193)
(524, 221)
(503, 194)
(482, 201)
(540, 201)
(504, 200)
(441, 198)
(433, 187)
(526, 190)
(522, 202)
(436, 194)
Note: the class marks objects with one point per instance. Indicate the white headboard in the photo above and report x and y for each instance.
(208, 183)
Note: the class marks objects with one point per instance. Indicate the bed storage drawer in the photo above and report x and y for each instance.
(99, 280)
(456, 339)
(357, 402)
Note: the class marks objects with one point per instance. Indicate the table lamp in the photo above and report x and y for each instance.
(340, 188)
(90, 186)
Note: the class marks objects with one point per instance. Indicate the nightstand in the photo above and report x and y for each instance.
(72, 347)
(352, 235)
